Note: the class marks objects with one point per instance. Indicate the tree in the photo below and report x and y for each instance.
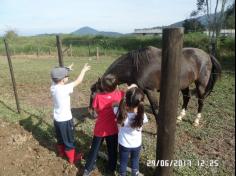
(10, 35)
(192, 25)
(215, 18)
(230, 17)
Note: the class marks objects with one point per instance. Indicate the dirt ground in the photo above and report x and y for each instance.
(21, 155)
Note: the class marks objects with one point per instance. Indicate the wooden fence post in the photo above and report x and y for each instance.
(71, 50)
(169, 91)
(59, 50)
(89, 50)
(97, 55)
(37, 51)
(12, 76)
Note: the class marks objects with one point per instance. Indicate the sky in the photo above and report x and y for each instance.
(31, 17)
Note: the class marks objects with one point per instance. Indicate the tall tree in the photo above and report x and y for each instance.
(215, 18)
(230, 17)
(10, 34)
(192, 25)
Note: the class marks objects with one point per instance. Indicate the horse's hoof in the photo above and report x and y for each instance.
(179, 118)
(196, 124)
(178, 121)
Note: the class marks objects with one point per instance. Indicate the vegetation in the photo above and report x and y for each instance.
(230, 17)
(193, 25)
(108, 46)
(213, 140)
(11, 35)
(216, 15)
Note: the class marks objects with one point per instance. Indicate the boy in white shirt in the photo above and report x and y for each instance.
(62, 111)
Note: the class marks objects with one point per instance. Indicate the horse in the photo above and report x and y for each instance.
(143, 67)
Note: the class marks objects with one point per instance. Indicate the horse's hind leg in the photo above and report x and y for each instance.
(186, 98)
(200, 93)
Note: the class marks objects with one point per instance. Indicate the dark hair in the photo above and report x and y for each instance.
(134, 97)
(109, 83)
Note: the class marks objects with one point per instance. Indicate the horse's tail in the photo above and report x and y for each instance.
(215, 75)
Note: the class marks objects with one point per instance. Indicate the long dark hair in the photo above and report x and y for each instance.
(109, 83)
(134, 97)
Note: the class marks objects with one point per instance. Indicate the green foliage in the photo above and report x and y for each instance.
(11, 35)
(193, 25)
(197, 40)
(230, 17)
(107, 46)
(230, 22)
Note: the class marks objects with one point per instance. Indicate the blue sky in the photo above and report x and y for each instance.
(29, 17)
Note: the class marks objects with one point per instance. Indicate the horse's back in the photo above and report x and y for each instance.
(196, 54)
(195, 66)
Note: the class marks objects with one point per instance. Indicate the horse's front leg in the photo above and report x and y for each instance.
(153, 102)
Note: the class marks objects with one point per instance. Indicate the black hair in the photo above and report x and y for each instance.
(134, 97)
(109, 83)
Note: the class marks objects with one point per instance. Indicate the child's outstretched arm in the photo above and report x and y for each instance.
(81, 75)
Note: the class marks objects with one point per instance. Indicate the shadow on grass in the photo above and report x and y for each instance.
(81, 114)
(44, 133)
(8, 107)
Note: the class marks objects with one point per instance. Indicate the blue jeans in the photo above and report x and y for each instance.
(65, 133)
(112, 142)
(124, 157)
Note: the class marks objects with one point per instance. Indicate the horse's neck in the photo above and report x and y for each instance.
(122, 77)
(121, 69)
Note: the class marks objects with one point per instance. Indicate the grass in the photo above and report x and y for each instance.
(213, 140)
(87, 45)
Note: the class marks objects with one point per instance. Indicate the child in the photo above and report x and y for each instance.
(62, 112)
(106, 126)
(130, 118)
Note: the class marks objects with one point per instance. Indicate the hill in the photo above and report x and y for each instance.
(90, 31)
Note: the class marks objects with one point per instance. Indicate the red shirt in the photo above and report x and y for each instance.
(106, 120)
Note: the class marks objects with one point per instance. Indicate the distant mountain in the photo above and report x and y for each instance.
(90, 31)
(201, 19)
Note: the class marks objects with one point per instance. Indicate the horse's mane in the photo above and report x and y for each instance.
(136, 58)
(140, 57)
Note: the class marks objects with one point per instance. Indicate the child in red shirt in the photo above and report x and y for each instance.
(106, 125)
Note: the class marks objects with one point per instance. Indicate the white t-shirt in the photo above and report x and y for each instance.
(130, 137)
(61, 101)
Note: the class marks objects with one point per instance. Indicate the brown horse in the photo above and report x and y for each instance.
(143, 67)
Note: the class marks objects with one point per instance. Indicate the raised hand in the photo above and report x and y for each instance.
(86, 67)
(70, 66)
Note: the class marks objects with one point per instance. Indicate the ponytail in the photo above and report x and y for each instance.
(138, 121)
(122, 113)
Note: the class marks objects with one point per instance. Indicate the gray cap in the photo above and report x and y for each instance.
(59, 73)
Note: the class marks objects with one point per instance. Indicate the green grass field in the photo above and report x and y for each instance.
(213, 141)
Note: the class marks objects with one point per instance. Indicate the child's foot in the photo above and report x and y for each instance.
(86, 173)
(78, 157)
(111, 173)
